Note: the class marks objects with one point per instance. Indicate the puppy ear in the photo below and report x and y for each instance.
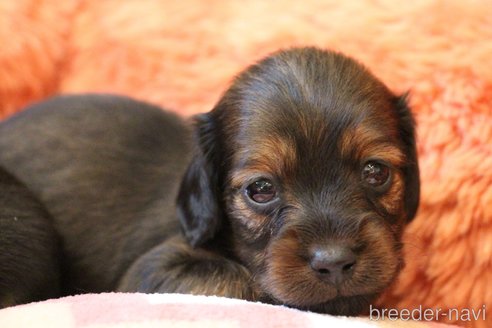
(411, 171)
(198, 202)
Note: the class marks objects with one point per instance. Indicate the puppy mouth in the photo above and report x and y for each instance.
(308, 289)
(303, 283)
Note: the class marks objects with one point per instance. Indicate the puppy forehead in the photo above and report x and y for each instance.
(312, 105)
(309, 82)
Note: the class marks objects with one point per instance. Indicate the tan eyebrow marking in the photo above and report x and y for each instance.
(272, 154)
(365, 142)
(238, 177)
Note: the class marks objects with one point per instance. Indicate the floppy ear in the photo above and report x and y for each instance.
(411, 171)
(198, 201)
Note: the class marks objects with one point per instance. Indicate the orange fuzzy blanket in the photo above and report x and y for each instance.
(183, 54)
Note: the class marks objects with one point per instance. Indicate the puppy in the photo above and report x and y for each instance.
(293, 190)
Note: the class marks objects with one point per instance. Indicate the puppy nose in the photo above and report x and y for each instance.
(333, 263)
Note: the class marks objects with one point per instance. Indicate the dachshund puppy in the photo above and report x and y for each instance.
(293, 190)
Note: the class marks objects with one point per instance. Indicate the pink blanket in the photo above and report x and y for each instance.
(175, 310)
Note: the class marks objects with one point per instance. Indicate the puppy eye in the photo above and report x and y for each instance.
(261, 191)
(375, 174)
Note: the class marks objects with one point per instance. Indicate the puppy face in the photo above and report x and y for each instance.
(306, 172)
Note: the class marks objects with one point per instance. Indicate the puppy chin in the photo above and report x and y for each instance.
(319, 298)
(290, 280)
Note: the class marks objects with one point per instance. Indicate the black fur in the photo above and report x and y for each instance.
(199, 209)
(411, 171)
(107, 169)
(29, 249)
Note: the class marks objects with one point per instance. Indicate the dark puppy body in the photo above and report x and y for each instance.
(29, 248)
(107, 169)
(298, 186)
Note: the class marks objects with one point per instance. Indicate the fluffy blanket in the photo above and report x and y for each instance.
(183, 54)
(175, 310)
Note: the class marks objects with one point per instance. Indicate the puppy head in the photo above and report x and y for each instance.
(306, 169)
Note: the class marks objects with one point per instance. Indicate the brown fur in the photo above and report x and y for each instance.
(306, 121)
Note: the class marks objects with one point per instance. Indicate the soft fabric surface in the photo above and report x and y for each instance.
(175, 310)
(183, 54)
